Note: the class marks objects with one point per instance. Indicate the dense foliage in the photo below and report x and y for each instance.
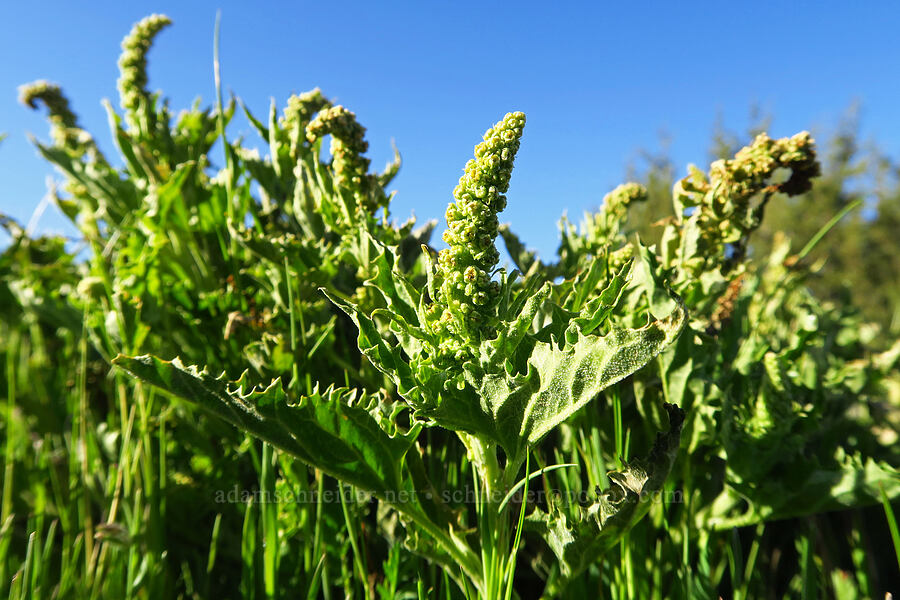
(247, 379)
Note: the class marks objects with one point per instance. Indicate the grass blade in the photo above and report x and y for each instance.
(892, 523)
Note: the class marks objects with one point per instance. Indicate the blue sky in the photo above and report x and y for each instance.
(599, 81)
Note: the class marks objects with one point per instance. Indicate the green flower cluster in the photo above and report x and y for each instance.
(348, 144)
(731, 200)
(603, 226)
(133, 65)
(67, 135)
(617, 201)
(301, 108)
(464, 310)
(298, 113)
(788, 164)
(599, 235)
(63, 123)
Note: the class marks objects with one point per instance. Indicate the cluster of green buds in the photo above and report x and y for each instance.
(603, 227)
(599, 234)
(63, 122)
(133, 66)
(348, 144)
(298, 113)
(731, 200)
(64, 129)
(463, 311)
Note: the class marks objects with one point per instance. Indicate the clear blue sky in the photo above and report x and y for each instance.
(599, 81)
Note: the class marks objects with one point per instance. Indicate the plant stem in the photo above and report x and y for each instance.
(455, 547)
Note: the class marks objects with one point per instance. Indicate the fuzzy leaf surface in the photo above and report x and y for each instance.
(338, 431)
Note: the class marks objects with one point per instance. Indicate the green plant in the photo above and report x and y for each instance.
(783, 399)
(466, 358)
(173, 266)
(476, 428)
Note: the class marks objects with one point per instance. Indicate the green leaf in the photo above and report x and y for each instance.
(384, 354)
(807, 487)
(261, 129)
(347, 435)
(135, 162)
(391, 169)
(511, 335)
(172, 191)
(105, 190)
(523, 385)
(561, 380)
(647, 277)
(596, 310)
(398, 293)
(580, 538)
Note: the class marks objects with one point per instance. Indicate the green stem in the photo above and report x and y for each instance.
(456, 548)
(361, 570)
(483, 455)
(229, 162)
(493, 483)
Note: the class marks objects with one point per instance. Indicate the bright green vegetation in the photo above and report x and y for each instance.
(247, 380)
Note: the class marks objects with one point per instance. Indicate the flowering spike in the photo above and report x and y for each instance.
(62, 119)
(620, 198)
(301, 108)
(64, 129)
(730, 201)
(603, 226)
(297, 115)
(133, 65)
(464, 311)
(348, 144)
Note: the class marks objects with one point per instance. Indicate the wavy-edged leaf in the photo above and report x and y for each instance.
(580, 540)
(384, 355)
(572, 377)
(509, 337)
(339, 431)
(594, 311)
(520, 389)
(560, 381)
(399, 295)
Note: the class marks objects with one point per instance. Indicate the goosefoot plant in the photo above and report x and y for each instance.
(463, 376)
(181, 259)
(496, 363)
(780, 394)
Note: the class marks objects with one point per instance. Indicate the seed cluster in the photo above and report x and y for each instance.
(464, 311)
(64, 129)
(618, 200)
(764, 163)
(301, 108)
